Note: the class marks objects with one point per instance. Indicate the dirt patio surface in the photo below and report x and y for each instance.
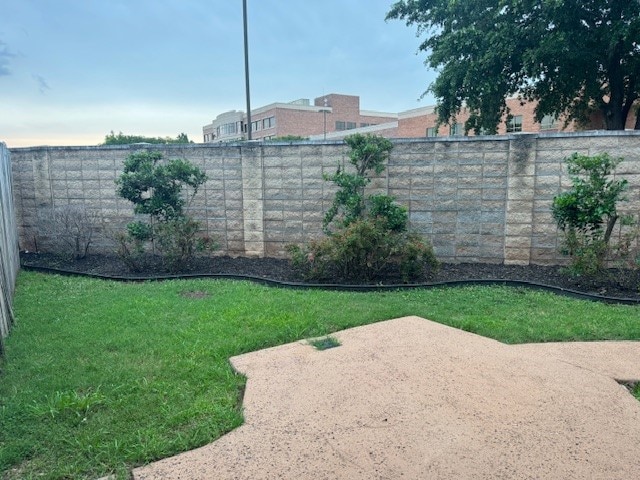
(413, 399)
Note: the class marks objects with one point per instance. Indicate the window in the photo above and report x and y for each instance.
(269, 122)
(226, 129)
(367, 125)
(514, 124)
(432, 132)
(345, 125)
(548, 122)
(255, 126)
(456, 130)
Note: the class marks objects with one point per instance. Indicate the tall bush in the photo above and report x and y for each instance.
(367, 237)
(587, 213)
(157, 189)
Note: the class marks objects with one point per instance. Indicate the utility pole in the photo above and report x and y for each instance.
(246, 68)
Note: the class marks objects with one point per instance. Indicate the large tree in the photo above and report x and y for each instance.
(572, 57)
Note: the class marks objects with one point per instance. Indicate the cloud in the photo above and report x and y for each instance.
(5, 58)
(43, 86)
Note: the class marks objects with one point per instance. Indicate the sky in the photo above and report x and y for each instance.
(72, 71)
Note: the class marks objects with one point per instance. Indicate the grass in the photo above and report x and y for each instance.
(324, 343)
(101, 376)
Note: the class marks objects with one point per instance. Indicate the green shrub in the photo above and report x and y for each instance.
(367, 238)
(177, 240)
(367, 154)
(588, 212)
(156, 189)
(365, 251)
(395, 216)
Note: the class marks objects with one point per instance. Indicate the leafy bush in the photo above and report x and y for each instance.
(588, 212)
(367, 238)
(394, 215)
(177, 241)
(368, 154)
(156, 190)
(131, 245)
(364, 251)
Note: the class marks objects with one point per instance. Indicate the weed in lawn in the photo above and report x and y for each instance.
(69, 403)
(324, 343)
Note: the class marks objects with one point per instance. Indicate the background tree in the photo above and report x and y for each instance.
(573, 57)
(122, 139)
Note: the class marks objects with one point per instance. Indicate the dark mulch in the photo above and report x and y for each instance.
(616, 283)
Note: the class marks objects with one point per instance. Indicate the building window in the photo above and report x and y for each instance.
(548, 122)
(255, 126)
(269, 122)
(227, 129)
(362, 125)
(514, 124)
(432, 132)
(456, 130)
(345, 125)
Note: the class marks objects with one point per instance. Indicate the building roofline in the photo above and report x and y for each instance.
(344, 133)
(290, 106)
(417, 112)
(373, 113)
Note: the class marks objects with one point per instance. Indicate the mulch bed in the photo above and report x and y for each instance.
(617, 283)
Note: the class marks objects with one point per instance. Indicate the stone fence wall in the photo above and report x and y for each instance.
(9, 259)
(479, 199)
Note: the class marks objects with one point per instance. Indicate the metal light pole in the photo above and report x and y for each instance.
(246, 68)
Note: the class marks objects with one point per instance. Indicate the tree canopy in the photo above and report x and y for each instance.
(122, 139)
(572, 57)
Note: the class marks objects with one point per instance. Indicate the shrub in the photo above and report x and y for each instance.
(364, 251)
(131, 245)
(69, 228)
(588, 212)
(156, 189)
(395, 216)
(367, 238)
(368, 154)
(177, 241)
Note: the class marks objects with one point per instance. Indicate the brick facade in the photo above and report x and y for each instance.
(328, 114)
(414, 123)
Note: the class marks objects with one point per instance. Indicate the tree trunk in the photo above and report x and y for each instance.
(614, 115)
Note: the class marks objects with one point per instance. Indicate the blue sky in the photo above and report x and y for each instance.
(73, 70)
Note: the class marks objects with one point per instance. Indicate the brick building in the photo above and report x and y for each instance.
(328, 114)
(422, 122)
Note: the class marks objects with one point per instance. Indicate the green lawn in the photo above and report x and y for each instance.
(101, 376)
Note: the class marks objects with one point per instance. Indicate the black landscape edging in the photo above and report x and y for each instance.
(343, 287)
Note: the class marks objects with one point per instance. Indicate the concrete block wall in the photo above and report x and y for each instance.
(478, 199)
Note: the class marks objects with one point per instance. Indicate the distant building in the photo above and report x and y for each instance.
(335, 116)
(328, 114)
(422, 122)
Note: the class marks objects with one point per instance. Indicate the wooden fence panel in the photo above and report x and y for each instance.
(9, 254)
